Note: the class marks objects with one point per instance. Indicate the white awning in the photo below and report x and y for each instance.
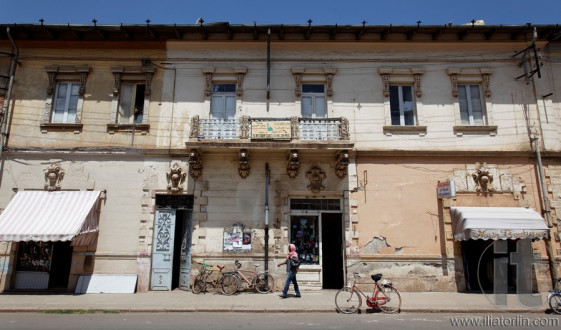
(497, 223)
(51, 216)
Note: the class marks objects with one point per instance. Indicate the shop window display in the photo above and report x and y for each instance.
(34, 256)
(304, 235)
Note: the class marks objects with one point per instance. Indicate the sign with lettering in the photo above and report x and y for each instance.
(446, 189)
(270, 130)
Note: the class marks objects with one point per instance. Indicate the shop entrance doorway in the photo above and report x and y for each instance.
(171, 250)
(503, 265)
(316, 228)
(332, 250)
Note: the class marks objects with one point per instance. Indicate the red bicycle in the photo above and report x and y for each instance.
(384, 297)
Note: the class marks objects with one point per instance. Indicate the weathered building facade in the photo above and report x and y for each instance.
(214, 143)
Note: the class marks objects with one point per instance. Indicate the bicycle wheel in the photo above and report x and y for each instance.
(230, 284)
(555, 303)
(199, 285)
(347, 301)
(388, 300)
(264, 283)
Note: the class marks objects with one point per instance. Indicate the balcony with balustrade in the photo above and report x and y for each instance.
(283, 133)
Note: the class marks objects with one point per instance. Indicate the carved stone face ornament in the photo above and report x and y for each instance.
(53, 176)
(195, 164)
(483, 180)
(341, 164)
(316, 177)
(176, 177)
(243, 164)
(293, 164)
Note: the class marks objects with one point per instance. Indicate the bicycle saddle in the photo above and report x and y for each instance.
(376, 277)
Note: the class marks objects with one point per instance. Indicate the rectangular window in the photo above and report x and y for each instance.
(223, 102)
(471, 105)
(66, 102)
(313, 101)
(402, 105)
(131, 103)
(304, 235)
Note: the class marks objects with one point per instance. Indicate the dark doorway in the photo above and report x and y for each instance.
(60, 265)
(332, 250)
(482, 257)
(181, 229)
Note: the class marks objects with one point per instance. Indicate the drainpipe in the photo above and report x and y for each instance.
(547, 211)
(266, 219)
(3, 129)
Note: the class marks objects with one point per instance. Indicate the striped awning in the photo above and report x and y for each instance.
(497, 223)
(51, 216)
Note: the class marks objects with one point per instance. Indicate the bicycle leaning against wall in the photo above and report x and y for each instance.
(554, 297)
(216, 278)
(385, 297)
(262, 282)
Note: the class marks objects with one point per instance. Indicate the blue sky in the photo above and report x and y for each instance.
(263, 12)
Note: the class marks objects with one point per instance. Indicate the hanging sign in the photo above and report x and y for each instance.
(271, 130)
(446, 189)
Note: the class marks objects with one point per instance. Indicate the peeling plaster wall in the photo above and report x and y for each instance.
(404, 232)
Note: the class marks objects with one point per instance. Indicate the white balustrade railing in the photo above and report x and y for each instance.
(219, 129)
(319, 129)
(308, 129)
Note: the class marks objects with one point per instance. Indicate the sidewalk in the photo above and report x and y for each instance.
(312, 301)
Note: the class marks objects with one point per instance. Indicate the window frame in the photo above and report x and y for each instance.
(470, 104)
(136, 75)
(64, 74)
(223, 96)
(401, 105)
(67, 100)
(314, 96)
(472, 76)
(130, 118)
(403, 77)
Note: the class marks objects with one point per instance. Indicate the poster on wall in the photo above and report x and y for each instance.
(236, 239)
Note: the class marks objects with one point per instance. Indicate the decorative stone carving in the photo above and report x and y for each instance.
(316, 177)
(243, 164)
(244, 127)
(53, 176)
(298, 83)
(341, 164)
(483, 180)
(294, 128)
(386, 83)
(454, 81)
(293, 164)
(195, 164)
(344, 132)
(329, 83)
(195, 127)
(176, 178)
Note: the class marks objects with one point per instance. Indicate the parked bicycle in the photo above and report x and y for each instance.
(554, 297)
(385, 297)
(227, 282)
(262, 282)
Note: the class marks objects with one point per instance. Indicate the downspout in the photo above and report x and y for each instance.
(547, 212)
(267, 178)
(5, 112)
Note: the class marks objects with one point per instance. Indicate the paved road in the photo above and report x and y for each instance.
(250, 321)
